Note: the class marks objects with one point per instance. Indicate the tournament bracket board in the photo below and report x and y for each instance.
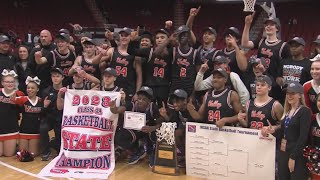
(229, 153)
(87, 136)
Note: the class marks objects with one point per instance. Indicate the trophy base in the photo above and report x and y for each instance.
(173, 171)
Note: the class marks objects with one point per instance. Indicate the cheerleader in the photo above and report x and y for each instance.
(9, 113)
(31, 108)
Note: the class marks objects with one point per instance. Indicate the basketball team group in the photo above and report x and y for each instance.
(170, 75)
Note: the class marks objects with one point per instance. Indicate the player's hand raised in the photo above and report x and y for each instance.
(190, 106)
(123, 95)
(204, 67)
(46, 102)
(194, 11)
(135, 34)
(249, 18)
(168, 24)
(62, 91)
(37, 55)
(113, 103)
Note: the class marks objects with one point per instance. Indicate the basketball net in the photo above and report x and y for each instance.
(249, 5)
(166, 132)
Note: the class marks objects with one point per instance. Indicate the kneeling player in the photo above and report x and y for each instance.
(129, 139)
(221, 105)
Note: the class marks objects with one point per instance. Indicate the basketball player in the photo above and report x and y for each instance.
(53, 116)
(263, 110)
(233, 81)
(62, 57)
(128, 69)
(220, 105)
(85, 60)
(237, 60)
(271, 48)
(185, 62)
(129, 139)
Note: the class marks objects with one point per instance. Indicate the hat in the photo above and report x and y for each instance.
(221, 59)
(294, 87)
(57, 70)
(4, 38)
(126, 30)
(211, 30)
(63, 36)
(317, 41)
(146, 34)
(274, 20)
(220, 71)
(317, 57)
(110, 71)
(146, 90)
(90, 41)
(182, 29)
(255, 60)
(180, 93)
(66, 31)
(264, 78)
(298, 40)
(233, 31)
(163, 31)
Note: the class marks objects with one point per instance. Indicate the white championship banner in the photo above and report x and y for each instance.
(229, 153)
(87, 143)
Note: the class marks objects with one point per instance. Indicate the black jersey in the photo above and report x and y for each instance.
(125, 71)
(208, 56)
(64, 62)
(114, 89)
(298, 71)
(9, 113)
(51, 112)
(218, 106)
(31, 114)
(184, 70)
(258, 115)
(315, 131)
(274, 53)
(158, 70)
(233, 64)
(90, 68)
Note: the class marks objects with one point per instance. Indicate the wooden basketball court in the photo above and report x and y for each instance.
(123, 171)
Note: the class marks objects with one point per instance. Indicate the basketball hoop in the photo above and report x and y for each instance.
(249, 5)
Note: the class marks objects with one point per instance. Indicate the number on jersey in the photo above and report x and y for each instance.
(121, 71)
(158, 72)
(213, 116)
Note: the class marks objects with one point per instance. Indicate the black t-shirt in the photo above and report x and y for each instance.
(298, 71)
(51, 112)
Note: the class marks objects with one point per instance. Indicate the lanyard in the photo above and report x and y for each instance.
(287, 121)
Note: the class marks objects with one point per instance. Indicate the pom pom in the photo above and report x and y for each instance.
(25, 156)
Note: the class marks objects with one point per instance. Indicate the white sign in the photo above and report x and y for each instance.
(228, 153)
(134, 120)
(88, 127)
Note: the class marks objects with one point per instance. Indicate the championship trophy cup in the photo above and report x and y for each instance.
(166, 155)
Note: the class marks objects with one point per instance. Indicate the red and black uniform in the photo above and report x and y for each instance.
(127, 138)
(184, 70)
(208, 56)
(310, 91)
(64, 62)
(218, 106)
(233, 64)
(315, 132)
(274, 53)
(90, 68)
(258, 115)
(125, 71)
(31, 117)
(9, 113)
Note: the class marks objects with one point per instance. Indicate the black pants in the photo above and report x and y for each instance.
(129, 139)
(46, 125)
(300, 170)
